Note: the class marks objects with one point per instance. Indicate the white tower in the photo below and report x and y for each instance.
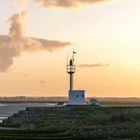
(76, 97)
(71, 70)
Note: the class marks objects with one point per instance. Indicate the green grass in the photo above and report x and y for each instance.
(76, 122)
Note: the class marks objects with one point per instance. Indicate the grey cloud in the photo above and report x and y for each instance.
(93, 65)
(16, 42)
(67, 3)
(52, 45)
(10, 49)
(6, 57)
(17, 25)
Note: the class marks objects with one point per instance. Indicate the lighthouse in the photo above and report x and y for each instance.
(76, 97)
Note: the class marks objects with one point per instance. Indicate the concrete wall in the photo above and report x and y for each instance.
(76, 97)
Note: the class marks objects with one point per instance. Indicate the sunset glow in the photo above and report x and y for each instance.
(37, 35)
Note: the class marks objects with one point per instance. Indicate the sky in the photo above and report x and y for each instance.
(36, 36)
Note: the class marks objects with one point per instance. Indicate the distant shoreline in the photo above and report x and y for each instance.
(12, 102)
(101, 100)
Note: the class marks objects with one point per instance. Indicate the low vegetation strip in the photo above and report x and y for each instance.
(31, 134)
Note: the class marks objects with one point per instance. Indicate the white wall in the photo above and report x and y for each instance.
(76, 97)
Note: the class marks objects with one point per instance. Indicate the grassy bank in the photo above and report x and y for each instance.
(75, 122)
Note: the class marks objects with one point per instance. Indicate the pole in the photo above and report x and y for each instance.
(71, 81)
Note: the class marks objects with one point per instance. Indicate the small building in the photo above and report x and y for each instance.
(76, 97)
(93, 102)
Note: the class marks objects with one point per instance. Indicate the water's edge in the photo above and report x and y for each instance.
(9, 109)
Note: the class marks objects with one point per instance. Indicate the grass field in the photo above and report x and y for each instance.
(104, 123)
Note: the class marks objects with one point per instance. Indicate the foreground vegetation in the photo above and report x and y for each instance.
(104, 123)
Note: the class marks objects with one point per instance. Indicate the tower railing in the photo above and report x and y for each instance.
(71, 69)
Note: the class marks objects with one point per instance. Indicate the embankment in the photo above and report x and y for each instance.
(78, 122)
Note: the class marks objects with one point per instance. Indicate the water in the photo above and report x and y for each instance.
(9, 109)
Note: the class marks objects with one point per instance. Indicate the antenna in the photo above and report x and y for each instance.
(73, 55)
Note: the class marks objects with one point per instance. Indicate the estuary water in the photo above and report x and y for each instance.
(11, 108)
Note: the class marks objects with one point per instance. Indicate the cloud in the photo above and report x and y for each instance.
(16, 42)
(67, 3)
(17, 25)
(52, 45)
(93, 65)
(6, 56)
